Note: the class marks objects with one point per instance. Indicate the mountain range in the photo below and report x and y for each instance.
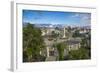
(56, 25)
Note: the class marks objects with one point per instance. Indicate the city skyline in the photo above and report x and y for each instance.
(56, 17)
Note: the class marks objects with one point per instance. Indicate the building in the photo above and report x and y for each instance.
(73, 44)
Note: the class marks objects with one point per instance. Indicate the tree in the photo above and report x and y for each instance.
(60, 48)
(84, 52)
(69, 29)
(86, 43)
(54, 34)
(79, 54)
(32, 42)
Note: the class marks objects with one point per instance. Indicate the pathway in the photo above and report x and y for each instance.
(51, 58)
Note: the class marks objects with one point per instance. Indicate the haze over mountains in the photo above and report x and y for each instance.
(57, 25)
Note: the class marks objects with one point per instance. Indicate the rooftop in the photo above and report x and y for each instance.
(73, 41)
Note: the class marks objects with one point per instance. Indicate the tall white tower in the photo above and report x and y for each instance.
(64, 36)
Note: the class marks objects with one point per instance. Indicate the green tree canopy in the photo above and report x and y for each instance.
(79, 54)
(32, 42)
(60, 48)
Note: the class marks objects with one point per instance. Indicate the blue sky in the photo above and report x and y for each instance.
(55, 17)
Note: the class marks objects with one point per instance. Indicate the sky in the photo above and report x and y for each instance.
(56, 17)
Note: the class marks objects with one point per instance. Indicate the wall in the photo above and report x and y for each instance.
(5, 36)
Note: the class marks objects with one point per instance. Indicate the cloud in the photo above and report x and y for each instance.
(75, 15)
(85, 18)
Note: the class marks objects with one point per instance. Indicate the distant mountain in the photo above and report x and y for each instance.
(48, 25)
(42, 25)
(45, 25)
(55, 25)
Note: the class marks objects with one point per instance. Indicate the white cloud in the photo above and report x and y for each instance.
(85, 18)
(76, 15)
